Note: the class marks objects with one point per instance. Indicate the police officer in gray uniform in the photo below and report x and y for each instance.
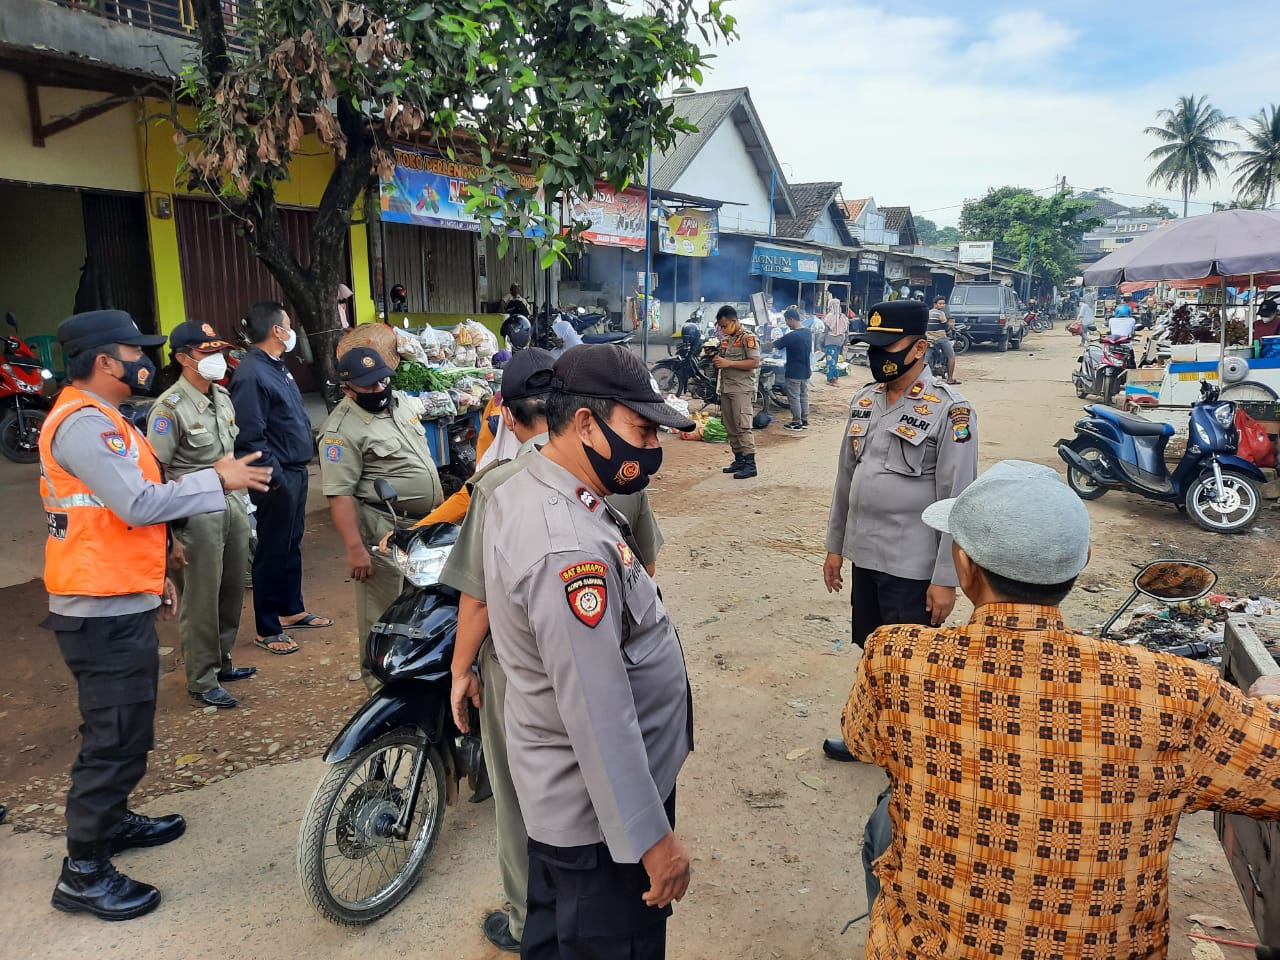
(908, 443)
(598, 707)
(526, 382)
(191, 427)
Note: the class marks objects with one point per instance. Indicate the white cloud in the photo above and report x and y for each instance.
(930, 110)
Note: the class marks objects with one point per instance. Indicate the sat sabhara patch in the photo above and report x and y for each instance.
(586, 587)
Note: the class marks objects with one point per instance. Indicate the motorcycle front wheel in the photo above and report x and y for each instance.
(1229, 510)
(352, 868)
(668, 378)
(1083, 485)
(18, 444)
(961, 343)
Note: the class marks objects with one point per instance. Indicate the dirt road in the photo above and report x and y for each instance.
(777, 871)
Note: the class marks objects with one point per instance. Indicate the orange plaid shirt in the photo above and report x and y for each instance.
(1038, 777)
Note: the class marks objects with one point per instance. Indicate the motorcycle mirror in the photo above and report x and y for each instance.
(582, 311)
(11, 320)
(1175, 581)
(385, 490)
(1172, 581)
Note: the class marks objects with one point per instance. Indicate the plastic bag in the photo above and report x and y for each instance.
(1074, 328)
(410, 347)
(1255, 446)
(482, 338)
(437, 404)
(438, 344)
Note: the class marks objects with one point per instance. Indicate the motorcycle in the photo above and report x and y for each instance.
(691, 370)
(1039, 322)
(1101, 369)
(376, 814)
(22, 400)
(937, 360)
(1169, 581)
(1119, 451)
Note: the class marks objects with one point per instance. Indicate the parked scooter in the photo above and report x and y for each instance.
(691, 371)
(377, 812)
(1119, 451)
(23, 405)
(1101, 369)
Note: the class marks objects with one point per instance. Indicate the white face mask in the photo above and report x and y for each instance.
(290, 341)
(212, 367)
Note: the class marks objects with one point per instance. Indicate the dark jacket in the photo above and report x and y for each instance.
(270, 413)
(798, 345)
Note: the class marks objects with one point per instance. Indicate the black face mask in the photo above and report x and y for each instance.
(139, 375)
(888, 365)
(374, 402)
(628, 468)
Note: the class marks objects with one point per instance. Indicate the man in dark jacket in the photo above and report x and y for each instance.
(273, 421)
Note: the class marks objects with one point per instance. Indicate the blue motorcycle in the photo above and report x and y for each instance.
(1118, 451)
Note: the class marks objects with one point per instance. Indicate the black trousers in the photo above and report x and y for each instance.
(880, 599)
(584, 906)
(116, 666)
(277, 566)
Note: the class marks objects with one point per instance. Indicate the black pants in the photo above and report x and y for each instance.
(277, 566)
(880, 599)
(116, 666)
(584, 906)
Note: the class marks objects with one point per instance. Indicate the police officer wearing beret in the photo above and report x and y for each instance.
(191, 427)
(909, 442)
(107, 507)
(373, 435)
(598, 708)
(526, 384)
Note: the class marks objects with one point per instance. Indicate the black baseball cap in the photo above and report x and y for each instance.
(195, 336)
(527, 374)
(615, 373)
(97, 328)
(892, 320)
(363, 366)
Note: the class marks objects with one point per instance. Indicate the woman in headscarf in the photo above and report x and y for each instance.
(837, 326)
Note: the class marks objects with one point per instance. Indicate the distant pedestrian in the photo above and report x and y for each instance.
(737, 360)
(833, 341)
(192, 426)
(798, 346)
(273, 421)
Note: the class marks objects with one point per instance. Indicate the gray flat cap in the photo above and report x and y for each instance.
(1020, 521)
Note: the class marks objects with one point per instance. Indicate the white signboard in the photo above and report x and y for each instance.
(976, 251)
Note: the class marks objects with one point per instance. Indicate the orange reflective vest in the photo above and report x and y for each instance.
(90, 551)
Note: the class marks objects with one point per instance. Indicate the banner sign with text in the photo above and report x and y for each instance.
(976, 251)
(769, 261)
(429, 190)
(616, 218)
(689, 232)
(834, 265)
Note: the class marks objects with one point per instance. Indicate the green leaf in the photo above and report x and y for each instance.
(420, 13)
(548, 259)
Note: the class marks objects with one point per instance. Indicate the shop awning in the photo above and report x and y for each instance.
(769, 260)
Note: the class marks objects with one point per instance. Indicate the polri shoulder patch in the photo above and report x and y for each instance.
(959, 417)
(587, 590)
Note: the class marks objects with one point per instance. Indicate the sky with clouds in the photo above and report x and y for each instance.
(928, 103)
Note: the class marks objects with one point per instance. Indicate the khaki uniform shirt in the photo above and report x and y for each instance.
(464, 569)
(739, 346)
(190, 430)
(358, 448)
(894, 462)
(598, 708)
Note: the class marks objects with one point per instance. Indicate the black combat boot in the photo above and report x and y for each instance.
(96, 886)
(736, 465)
(748, 468)
(135, 830)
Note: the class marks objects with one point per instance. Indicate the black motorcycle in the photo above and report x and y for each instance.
(691, 371)
(376, 815)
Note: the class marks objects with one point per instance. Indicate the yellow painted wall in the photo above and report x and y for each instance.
(97, 153)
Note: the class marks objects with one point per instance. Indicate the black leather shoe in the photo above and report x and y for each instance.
(217, 697)
(733, 467)
(135, 830)
(834, 748)
(498, 930)
(236, 673)
(97, 887)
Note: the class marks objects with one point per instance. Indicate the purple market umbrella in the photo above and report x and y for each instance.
(1229, 243)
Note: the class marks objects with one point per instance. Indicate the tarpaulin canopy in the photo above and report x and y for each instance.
(1230, 243)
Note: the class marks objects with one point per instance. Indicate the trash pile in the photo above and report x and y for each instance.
(1192, 629)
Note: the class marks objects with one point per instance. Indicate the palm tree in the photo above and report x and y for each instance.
(1190, 153)
(1258, 168)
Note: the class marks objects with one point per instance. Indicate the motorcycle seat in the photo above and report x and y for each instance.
(605, 337)
(1133, 425)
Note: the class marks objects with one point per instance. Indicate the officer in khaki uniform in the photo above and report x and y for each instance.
(737, 361)
(526, 382)
(192, 426)
(373, 435)
(908, 443)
